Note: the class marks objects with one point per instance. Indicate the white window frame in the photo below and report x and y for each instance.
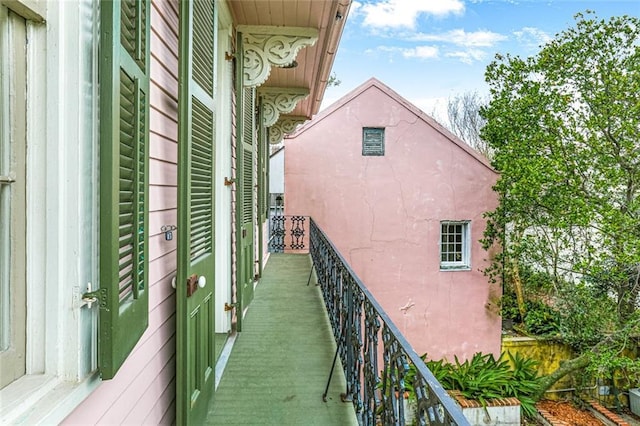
(62, 239)
(464, 263)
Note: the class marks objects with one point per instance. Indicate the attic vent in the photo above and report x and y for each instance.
(372, 141)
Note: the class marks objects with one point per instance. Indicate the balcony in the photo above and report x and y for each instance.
(281, 368)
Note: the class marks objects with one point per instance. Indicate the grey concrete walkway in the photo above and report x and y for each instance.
(280, 363)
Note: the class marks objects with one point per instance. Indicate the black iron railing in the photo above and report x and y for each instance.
(375, 356)
(288, 233)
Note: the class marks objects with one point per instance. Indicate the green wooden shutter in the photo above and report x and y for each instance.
(372, 141)
(263, 156)
(124, 214)
(247, 156)
(245, 131)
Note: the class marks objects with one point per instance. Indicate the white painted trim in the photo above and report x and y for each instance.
(465, 263)
(42, 399)
(223, 170)
(276, 173)
(36, 192)
(34, 10)
(223, 359)
(5, 301)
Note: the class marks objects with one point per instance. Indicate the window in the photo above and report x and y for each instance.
(52, 257)
(372, 141)
(454, 245)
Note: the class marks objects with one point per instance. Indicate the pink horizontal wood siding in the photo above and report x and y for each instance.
(384, 212)
(143, 391)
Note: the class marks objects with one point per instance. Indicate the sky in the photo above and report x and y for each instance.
(431, 50)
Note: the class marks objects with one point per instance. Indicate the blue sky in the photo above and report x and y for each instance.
(430, 50)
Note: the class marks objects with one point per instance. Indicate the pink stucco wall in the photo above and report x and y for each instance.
(384, 213)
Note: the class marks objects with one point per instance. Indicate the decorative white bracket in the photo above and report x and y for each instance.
(286, 124)
(264, 46)
(279, 100)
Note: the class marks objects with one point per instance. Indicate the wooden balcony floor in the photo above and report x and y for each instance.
(279, 365)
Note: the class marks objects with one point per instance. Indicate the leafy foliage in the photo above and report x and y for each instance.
(333, 80)
(585, 316)
(564, 127)
(483, 377)
(623, 371)
(524, 383)
(540, 319)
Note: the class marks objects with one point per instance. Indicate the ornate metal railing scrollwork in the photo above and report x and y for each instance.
(276, 233)
(288, 233)
(359, 324)
(298, 233)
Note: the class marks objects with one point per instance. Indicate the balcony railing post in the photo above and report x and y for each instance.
(372, 328)
(349, 364)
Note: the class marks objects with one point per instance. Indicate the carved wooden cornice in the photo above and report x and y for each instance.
(279, 100)
(285, 125)
(265, 46)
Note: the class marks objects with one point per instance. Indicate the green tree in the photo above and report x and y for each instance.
(564, 128)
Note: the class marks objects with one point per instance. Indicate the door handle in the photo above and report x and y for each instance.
(192, 284)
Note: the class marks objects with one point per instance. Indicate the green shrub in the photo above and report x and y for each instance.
(483, 377)
(509, 308)
(586, 316)
(541, 319)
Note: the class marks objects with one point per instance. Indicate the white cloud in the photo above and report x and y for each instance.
(468, 56)
(403, 13)
(355, 9)
(481, 38)
(532, 37)
(420, 52)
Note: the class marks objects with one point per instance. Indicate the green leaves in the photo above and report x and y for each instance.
(484, 377)
(564, 127)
